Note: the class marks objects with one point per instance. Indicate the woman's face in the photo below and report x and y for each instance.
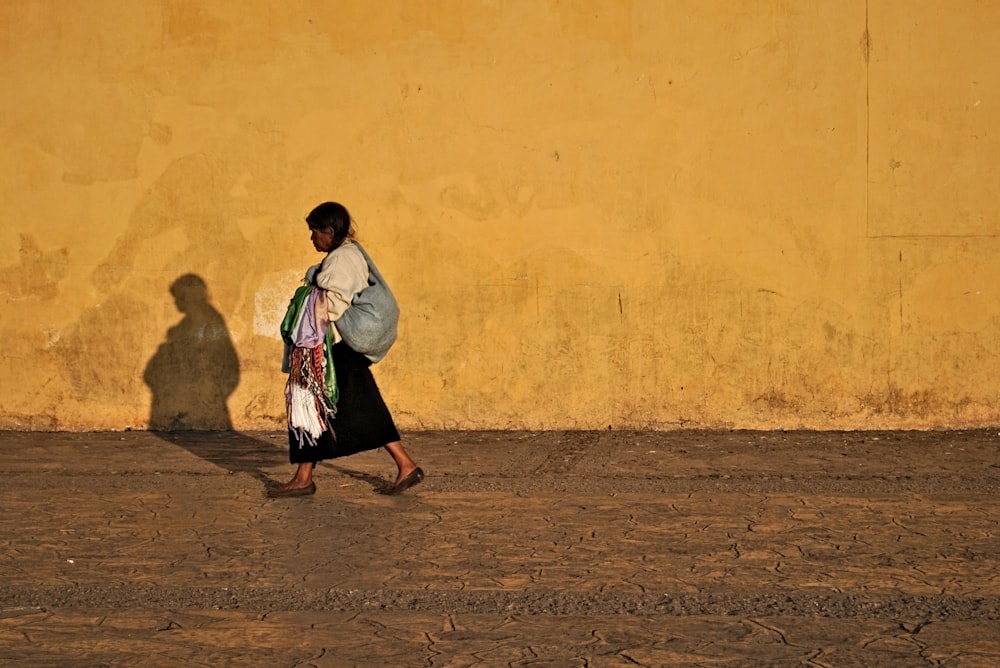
(322, 239)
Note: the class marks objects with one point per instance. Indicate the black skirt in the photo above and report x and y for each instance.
(362, 422)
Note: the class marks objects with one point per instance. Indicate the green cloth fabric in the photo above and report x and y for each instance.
(294, 313)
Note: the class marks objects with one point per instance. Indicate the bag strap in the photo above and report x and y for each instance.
(371, 266)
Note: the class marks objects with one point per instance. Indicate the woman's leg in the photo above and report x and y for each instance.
(305, 458)
(404, 463)
(302, 478)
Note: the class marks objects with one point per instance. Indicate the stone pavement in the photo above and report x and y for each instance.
(520, 549)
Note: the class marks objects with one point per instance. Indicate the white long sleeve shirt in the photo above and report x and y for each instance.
(343, 274)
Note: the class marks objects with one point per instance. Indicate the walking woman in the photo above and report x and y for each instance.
(335, 408)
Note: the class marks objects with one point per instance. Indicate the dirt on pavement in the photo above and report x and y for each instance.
(520, 548)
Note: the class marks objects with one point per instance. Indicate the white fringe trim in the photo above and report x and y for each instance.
(302, 412)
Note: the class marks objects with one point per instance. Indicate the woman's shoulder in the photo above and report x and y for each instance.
(352, 248)
(345, 252)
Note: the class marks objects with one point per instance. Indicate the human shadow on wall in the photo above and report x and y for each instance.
(191, 377)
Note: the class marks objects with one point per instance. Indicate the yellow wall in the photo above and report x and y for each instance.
(749, 213)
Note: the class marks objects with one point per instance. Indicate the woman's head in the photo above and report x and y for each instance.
(331, 224)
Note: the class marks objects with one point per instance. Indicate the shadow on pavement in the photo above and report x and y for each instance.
(230, 451)
(380, 485)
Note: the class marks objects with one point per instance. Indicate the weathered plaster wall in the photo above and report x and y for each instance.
(757, 213)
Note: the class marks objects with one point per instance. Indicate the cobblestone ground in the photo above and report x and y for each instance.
(519, 549)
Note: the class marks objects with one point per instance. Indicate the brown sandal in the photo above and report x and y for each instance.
(415, 477)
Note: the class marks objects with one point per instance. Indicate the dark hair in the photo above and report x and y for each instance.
(332, 216)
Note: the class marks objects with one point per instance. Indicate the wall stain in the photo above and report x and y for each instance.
(191, 196)
(37, 274)
(102, 352)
